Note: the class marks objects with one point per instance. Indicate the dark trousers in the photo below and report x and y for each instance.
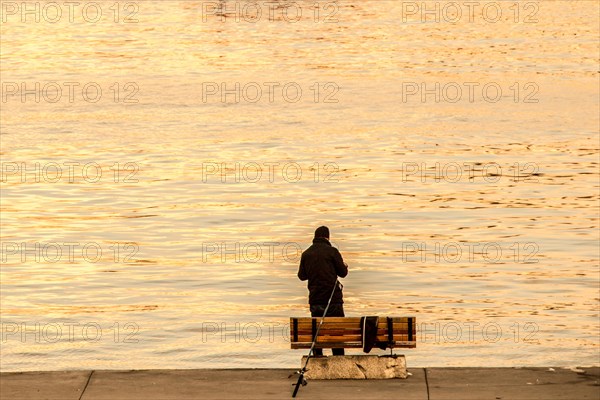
(335, 310)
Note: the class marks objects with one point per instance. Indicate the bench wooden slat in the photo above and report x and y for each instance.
(335, 320)
(338, 338)
(345, 345)
(309, 337)
(381, 335)
(350, 321)
(326, 330)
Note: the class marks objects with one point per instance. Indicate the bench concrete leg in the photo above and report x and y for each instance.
(356, 367)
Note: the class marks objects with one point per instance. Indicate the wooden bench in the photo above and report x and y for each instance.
(346, 332)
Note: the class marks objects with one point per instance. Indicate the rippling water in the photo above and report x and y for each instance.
(479, 217)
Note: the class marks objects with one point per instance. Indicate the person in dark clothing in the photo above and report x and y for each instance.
(321, 264)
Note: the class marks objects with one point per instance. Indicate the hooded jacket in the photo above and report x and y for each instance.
(321, 264)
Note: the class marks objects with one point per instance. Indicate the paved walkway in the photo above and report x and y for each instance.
(423, 384)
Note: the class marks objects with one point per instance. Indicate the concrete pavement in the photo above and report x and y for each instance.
(423, 384)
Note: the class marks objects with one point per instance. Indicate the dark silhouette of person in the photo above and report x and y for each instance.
(321, 264)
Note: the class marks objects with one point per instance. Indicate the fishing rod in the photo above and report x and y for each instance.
(301, 380)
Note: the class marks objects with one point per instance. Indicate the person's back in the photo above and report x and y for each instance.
(321, 264)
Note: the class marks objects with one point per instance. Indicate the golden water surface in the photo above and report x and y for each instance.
(453, 156)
